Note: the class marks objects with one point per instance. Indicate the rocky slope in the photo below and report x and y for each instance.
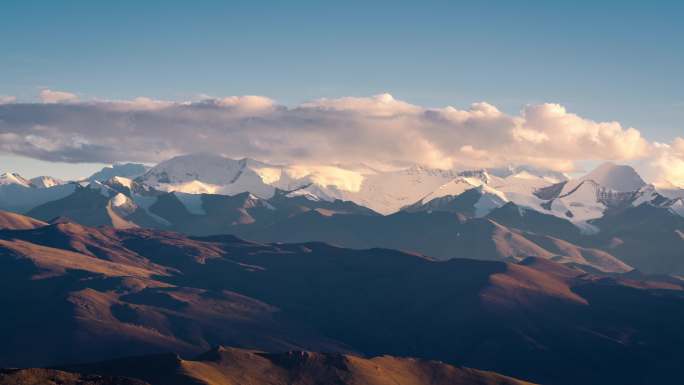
(111, 293)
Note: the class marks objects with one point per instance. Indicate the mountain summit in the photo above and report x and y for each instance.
(620, 178)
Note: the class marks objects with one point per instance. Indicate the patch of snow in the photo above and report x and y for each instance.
(126, 182)
(671, 191)
(387, 192)
(119, 200)
(45, 182)
(212, 174)
(192, 187)
(454, 187)
(491, 199)
(581, 204)
(122, 205)
(128, 170)
(678, 207)
(12, 178)
(103, 189)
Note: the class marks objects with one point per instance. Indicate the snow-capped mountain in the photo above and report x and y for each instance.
(609, 187)
(581, 200)
(472, 192)
(549, 176)
(509, 214)
(578, 200)
(45, 182)
(384, 192)
(19, 194)
(213, 174)
(469, 195)
(671, 191)
(388, 192)
(125, 203)
(477, 192)
(117, 202)
(126, 170)
(454, 187)
(677, 206)
(619, 178)
(12, 178)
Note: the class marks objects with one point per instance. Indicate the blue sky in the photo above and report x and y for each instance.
(617, 60)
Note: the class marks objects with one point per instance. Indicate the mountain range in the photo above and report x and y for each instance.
(609, 219)
(136, 292)
(239, 366)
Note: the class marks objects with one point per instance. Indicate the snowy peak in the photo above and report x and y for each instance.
(129, 187)
(207, 168)
(12, 178)
(127, 170)
(609, 187)
(549, 176)
(122, 205)
(453, 188)
(464, 195)
(650, 195)
(482, 175)
(677, 206)
(104, 189)
(385, 192)
(121, 181)
(210, 174)
(620, 178)
(45, 182)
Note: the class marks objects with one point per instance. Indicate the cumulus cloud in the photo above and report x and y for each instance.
(382, 105)
(50, 96)
(4, 99)
(665, 166)
(678, 146)
(377, 130)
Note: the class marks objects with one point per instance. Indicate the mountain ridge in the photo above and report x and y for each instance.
(121, 292)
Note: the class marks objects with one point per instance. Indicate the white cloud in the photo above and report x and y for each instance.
(377, 130)
(381, 105)
(50, 96)
(665, 166)
(678, 146)
(247, 102)
(137, 104)
(7, 99)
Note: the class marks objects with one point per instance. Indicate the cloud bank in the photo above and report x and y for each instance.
(7, 99)
(50, 96)
(379, 131)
